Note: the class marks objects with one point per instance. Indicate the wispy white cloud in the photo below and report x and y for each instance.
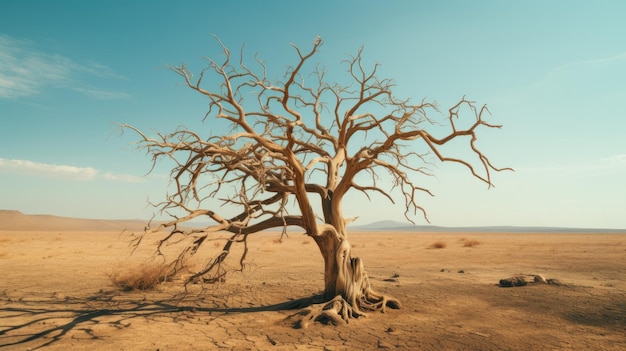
(102, 94)
(100, 70)
(26, 167)
(25, 71)
(618, 57)
(616, 159)
(123, 178)
(31, 168)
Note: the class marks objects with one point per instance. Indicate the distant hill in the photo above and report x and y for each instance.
(16, 220)
(388, 225)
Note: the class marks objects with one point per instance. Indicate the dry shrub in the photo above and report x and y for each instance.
(471, 243)
(438, 245)
(144, 277)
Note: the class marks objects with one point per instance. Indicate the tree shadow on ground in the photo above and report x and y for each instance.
(577, 304)
(44, 320)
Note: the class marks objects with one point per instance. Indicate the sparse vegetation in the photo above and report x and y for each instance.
(145, 277)
(471, 243)
(438, 245)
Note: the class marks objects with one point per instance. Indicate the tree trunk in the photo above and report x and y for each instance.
(347, 291)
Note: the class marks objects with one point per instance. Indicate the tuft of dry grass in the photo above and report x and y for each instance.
(438, 245)
(144, 277)
(471, 243)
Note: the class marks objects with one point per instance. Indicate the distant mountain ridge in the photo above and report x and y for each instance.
(406, 227)
(18, 221)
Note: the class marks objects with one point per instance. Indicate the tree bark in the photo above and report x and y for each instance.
(347, 291)
(329, 243)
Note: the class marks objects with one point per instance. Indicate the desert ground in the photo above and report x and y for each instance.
(56, 294)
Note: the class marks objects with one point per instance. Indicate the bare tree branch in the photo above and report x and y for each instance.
(294, 138)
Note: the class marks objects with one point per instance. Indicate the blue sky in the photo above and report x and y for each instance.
(552, 72)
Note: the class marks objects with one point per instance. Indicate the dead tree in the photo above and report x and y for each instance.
(294, 150)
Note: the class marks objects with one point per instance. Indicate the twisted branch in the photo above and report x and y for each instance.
(296, 137)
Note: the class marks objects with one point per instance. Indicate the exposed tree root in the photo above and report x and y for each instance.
(339, 312)
(348, 293)
(336, 312)
(378, 302)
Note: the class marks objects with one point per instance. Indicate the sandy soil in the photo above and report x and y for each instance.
(55, 295)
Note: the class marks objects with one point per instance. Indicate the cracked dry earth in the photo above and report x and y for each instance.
(55, 295)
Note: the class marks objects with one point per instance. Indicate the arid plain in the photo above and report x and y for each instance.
(56, 292)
